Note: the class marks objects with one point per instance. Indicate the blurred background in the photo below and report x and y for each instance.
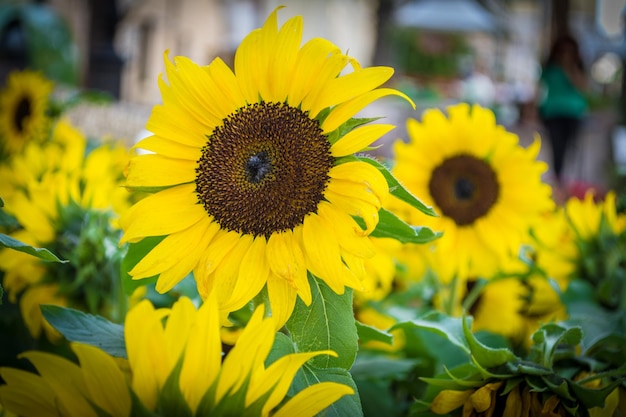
(444, 51)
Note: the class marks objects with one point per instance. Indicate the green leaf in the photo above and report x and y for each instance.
(135, 253)
(171, 399)
(397, 189)
(85, 328)
(450, 328)
(486, 356)
(391, 226)
(369, 333)
(328, 323)
(549, 336)
(352, 123)
(41, 253)
(590, 397)
(376, 367)
(349, 405)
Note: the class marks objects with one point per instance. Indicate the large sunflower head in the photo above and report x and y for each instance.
(254, 170)
(67, 202)
(176, 366)
(486, 188)
(23, 107)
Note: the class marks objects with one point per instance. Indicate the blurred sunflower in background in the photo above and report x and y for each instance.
(24, 104)
(175, 367)
(67, 199)
(260, 187)
(486, 188)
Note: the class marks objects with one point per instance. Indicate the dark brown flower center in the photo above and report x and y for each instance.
(264, 169)
(22, 111)
(464, 188)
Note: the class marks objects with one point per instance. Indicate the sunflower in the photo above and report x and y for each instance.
(486, 188)
(67, 202)
(23, 106)
(176, 365)
(260, 186)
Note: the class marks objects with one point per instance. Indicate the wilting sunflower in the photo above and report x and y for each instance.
(258, 181)
(67, 202)
(23, 106)
(174, 367)
(486, 188)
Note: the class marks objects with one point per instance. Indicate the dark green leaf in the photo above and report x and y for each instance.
(135, 253)
(590, 397)
(486, 356)
(369, 333)
(381, 367)
(41, 253)
(85, 328)
(549, 336)
(449, 327)
(391, 226)
(328, 323)
(397, 189)
(171, 400)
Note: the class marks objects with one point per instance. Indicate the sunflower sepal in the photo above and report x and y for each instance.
(77, 326)
(171, 401)
(397, 189)
(351, 124)
(391, 226)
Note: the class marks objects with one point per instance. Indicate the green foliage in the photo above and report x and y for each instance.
(50, 47)
(78, 326)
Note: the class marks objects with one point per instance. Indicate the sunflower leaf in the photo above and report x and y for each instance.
(396, 189)
(345, 128)
(135, 253)
(369, 333)
(551, 336)
(450, 328)
(486, 356)
(328, 323)
(86, 328)
(391, 226)
(41, 253)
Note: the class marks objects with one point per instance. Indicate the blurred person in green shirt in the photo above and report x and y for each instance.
(562, 102)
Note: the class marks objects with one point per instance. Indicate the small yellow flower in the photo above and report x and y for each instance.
(23, 106)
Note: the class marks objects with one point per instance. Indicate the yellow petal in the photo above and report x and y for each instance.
(65, 379)
(310, 59)
(227, 274)
(166, 122)
(203, 354)
(179, 247)
(285, 55)
(154, 170)
(104, 380)
(322, 252)
(349, 233)
(285, 256)
(246, 65)
(312, 400)
(277, 378)
(253, 272)
(225, 80)
(356, 207)
(177, 328)
(27, 394)
(282, 297)
(449, 400)
(172, 149)
(365, 173)
(331, 67)
(346, 87)
(344, 111)
(248, 354)
(146, 349)
(358, 139)
(162, 213)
